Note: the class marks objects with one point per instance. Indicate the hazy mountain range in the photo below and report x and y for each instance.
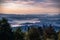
(32, 19)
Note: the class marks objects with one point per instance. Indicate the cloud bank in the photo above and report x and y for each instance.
(29, 6)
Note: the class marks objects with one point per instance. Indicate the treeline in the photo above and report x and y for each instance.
(33, 33)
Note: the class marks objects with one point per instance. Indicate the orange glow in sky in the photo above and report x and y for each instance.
(25, 8)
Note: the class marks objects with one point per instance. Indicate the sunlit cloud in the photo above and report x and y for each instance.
(29, 6)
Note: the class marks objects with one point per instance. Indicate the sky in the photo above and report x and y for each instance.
(30, 6)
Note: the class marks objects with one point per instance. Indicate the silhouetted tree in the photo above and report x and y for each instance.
(40, 30)
(59, 35)
(19, 35)
(51, 33)
(33, 34)
(5, 30)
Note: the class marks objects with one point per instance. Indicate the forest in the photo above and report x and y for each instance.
(33, 33)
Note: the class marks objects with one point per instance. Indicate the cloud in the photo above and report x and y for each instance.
(30, 6)
(55, 1)
(35, 0)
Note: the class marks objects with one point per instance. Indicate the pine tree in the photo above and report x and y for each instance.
(5, 30)
(40, 30)
(33, 34)
(19, 35)
(51, 33)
